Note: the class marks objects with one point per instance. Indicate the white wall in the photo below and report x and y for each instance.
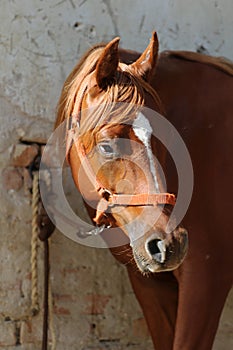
(41, 40)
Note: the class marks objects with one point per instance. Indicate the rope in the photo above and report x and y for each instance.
(48, 294)
(48, 322)
(51, 319)
(42, 228)
(34, 246)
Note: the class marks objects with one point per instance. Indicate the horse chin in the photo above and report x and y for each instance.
(146, 267)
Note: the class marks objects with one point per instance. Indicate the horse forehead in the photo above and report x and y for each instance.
(115, 131)
(139, 129)
(142, 127)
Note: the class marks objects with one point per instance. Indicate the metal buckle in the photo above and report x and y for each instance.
(106, 194)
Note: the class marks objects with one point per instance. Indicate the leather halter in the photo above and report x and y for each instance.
(107, 200)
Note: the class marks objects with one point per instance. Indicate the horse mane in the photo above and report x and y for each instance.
(126, 87)
(85, 65)
(220, 63)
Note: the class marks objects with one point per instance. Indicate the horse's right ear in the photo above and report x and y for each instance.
(107, 64)
(146, 63)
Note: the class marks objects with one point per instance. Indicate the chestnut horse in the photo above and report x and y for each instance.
(181, 291)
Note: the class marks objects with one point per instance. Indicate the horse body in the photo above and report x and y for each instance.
(182, 307)
(198, 101)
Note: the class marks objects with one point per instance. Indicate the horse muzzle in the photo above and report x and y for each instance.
(158, 253)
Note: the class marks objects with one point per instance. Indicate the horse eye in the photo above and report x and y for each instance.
(106, 149)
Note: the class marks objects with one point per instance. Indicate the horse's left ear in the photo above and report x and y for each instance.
(146, 63)
(107, 65)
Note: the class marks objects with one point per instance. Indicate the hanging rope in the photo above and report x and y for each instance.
(51, 319)
(42, 228)
(49, 229)
(34, 245)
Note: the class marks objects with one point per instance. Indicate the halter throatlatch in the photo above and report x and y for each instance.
(109, 200)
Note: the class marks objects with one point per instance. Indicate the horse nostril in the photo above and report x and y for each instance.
(153, 246)
(157, 249)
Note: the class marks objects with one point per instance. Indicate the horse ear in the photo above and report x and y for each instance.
(146, 63)
(107, 64)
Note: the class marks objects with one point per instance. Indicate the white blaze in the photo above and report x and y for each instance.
(143, 131)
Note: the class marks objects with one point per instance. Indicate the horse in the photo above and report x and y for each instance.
(181, 278)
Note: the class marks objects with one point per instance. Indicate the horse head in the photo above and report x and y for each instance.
(113, 154)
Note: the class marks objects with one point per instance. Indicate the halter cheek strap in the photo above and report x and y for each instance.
(73, 121)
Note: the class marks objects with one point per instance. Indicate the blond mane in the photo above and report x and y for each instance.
(120, 98)
(67, 98)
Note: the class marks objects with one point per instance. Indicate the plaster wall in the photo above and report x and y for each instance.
(40, 42)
